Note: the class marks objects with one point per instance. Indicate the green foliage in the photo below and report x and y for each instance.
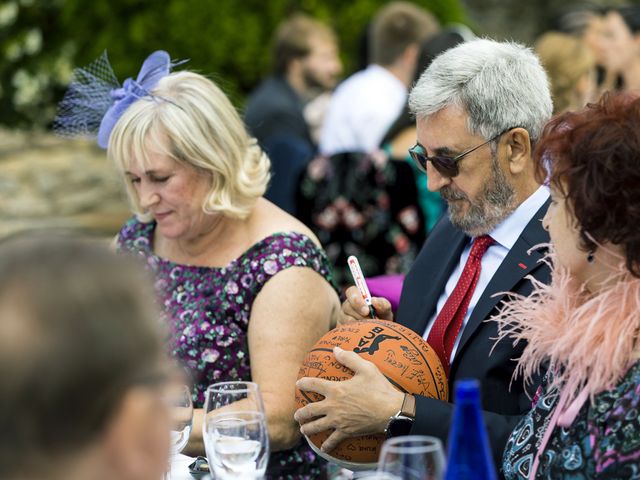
(227, 39)
(37, 60)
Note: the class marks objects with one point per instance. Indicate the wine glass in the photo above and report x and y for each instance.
(237, 445)
(414, 457)
(243, 396)
(178, 400)
(235, 431)
(373, 475)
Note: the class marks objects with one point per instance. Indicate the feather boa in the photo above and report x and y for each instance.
(591, 340)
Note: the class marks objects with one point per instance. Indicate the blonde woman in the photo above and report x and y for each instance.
(570, 66)
(246, 288)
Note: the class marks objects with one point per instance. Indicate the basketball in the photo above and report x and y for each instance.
(402, 356)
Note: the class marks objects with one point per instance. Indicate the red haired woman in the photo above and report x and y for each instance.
(585, 326)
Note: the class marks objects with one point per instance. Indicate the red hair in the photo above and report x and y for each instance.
(592, 157)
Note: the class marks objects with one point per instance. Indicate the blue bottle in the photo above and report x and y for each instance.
(469, 456)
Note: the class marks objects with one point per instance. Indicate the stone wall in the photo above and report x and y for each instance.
(46, 181)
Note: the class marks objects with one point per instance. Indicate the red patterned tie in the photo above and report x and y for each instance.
(445, 329)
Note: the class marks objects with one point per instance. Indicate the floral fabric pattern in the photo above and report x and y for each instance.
(364, 205)
(208, 311)
(603, 442)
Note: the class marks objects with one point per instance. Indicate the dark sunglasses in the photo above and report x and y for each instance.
(446, 166)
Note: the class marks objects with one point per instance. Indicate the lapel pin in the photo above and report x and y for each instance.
(522, 266)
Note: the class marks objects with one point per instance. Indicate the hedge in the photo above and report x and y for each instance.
(229, 39)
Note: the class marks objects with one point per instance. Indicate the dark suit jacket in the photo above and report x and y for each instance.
(274, 109)
(423, 286)
(274, 116)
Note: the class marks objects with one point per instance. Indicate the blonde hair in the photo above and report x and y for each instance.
(192, 121)
(567, 60)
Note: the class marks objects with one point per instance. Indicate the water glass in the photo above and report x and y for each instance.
(339, 473)
(239, 396)
(237, 445)
(373, 475)
(415, 457)
(178, 400)
(235, 431)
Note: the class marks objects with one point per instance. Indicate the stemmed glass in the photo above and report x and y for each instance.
(235, 431)
(178, 399)
(373, 475)
(414, 457)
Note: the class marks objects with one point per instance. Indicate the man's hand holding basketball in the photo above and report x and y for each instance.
(354, 309)
(359, 406)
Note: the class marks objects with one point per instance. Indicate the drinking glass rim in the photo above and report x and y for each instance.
(375, 475)
(218, 386)
(429, 443)
(255, 418)
(253, 413)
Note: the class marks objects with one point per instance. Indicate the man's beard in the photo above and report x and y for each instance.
(317, 83)
(494, 203)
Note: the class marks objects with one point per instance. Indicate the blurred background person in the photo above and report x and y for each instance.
(81, 364)
(353, 197)
(364, 205)
(365, 105)
(584, 421)
(570, 65)
(306, 65)
(586, 21)
(396, 144)
(401, 136)
(589, 27)
(246, 288)
(621, 45)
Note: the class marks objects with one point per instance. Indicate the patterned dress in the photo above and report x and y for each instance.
(364, 205)
(208, 311)
(603, 441)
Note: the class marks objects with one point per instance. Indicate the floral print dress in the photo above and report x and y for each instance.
(208, 311)
(364, 205)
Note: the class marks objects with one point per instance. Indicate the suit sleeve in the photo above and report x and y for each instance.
(433, 417)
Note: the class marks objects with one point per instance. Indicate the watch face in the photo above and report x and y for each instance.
(399, 426)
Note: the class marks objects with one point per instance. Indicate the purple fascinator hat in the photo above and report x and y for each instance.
(95, 100)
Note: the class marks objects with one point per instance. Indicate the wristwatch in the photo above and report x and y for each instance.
(401, 423)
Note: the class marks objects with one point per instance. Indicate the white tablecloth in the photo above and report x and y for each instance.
(180, 467)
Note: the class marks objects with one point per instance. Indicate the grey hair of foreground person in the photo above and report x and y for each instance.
(79, 332)
(500, 85)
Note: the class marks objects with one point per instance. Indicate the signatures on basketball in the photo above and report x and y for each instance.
(391, 359)
(411, 355)
(318, 365)
(315, 369)
(390, 348)
(364, 448)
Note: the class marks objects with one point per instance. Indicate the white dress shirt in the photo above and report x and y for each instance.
(361, 111)
(505, 236)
